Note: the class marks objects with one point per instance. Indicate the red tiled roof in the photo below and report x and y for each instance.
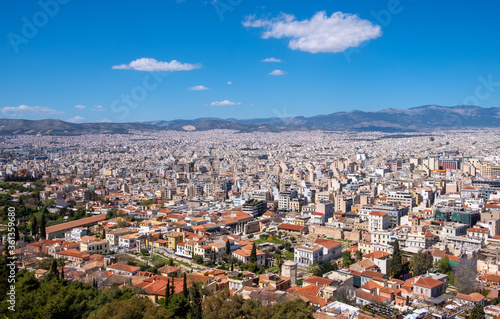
(473, 297)
(75, 223)
(123, 267)
(327, 243)
(376, 254)
(370, 285)
(377, 213)
(319, 281)
(427, 282)
(490, 278)
(291, 227)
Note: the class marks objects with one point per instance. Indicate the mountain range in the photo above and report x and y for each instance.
(417, 119)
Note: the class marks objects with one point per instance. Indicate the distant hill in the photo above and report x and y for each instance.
(417, 119)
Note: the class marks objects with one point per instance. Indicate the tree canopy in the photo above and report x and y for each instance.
(396, 265)
(420, 263)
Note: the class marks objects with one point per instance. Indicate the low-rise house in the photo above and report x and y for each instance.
(428, 286)
(475, 298)
(113, 236)
(320, 251)
(291, 228)
(244, 253)
(175, 238)
(170, 271)
(75, 233)
(129, 240)
(72, 255)
(478, 233)
(123, 269)
(99, 246)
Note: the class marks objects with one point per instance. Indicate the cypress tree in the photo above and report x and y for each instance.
(34, 227)
(253, 254)
(42, 226)
(228, 247)
(53, 269)
(167, 293)
(396, 265)
(185, 287)
(172, 287)
(62, 272)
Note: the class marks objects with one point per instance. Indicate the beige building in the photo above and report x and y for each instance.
(99, 246)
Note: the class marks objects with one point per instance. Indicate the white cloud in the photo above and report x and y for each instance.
(80, 107)
(198, 88)
(149, 64)
(22, 110)
(99, 108)
(277, 72)
(105, 120)
(272, 60)
(224, 103)
(229, 82)
(75, 119)
(321, 33)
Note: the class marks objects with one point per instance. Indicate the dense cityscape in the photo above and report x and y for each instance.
(230, 159)
(323, 224)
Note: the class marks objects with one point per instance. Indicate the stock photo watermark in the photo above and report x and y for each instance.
(223, 6)
(31, 26)
(284, 116)
(383, 17)
(11, 259)
(482, 92)
(131, 100)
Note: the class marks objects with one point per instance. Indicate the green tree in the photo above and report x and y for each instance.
(53, 273)
(396, 265)
(170, 262)
(185, 290)
(477, 312)
(172, 288)
(110, 214)
(293, 309)
(443, 265)
(346, 259)
(50, 202)
(53, 298)
(178, 306)
(198, 259)
(420, 263)
(167, 293)
(135, 308)
(196, 293)
(34, 226)
(324, 268)
(359, 255)
(279, 260)
(253, 254)
(43, 226)
(222, 305)
(228, 247)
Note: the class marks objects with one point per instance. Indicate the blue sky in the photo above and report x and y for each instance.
(124, 61)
